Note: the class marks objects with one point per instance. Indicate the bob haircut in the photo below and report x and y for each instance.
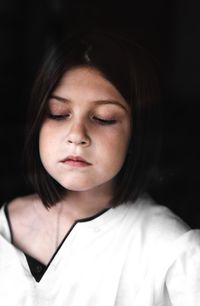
(132, 70)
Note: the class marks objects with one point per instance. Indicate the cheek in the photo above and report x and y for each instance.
(47, 141)
(114, 146)
(120, 138)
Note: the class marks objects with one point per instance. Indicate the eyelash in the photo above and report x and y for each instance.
(57, 117)
(96, 119)
(104, 121)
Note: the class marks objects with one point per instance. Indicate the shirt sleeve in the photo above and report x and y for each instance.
(183, 277)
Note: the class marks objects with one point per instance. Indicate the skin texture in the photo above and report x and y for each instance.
(74, 126)
(87, 117)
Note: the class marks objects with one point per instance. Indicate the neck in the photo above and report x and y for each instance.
(83, 204)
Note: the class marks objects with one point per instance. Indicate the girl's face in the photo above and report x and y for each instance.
(84, 137)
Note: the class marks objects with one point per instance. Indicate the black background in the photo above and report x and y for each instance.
(170, 28)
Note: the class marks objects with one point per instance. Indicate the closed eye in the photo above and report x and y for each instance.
(58, 117)
(98, 120)
(104, 121)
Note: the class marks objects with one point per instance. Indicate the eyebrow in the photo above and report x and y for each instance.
(97, 102)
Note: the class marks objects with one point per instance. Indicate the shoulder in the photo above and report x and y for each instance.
(163, 234)
(15, 216)
(156, 222)
(23, 202)
(182, 277)
(18, 207)
(27, 199)
(21, 208)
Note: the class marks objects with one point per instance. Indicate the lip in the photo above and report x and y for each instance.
(76, 161)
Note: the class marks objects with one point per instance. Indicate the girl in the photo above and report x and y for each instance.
(90, 235)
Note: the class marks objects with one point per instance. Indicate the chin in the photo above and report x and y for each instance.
(78, 187)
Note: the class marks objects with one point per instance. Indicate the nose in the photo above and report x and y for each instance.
(78, 135)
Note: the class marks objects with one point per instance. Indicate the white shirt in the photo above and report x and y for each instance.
(137, 254)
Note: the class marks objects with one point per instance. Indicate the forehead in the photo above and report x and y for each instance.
(86, 83)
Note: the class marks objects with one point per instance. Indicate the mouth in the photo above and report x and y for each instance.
(76, 161)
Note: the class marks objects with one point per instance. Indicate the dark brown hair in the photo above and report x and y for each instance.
(132, 70)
